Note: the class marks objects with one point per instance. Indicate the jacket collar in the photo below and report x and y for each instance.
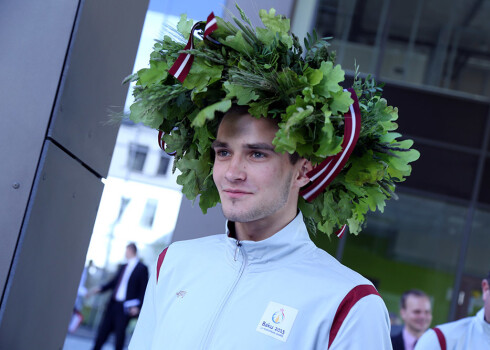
(480, 319)
(287, 244)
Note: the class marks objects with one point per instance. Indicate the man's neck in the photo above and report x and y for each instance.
(413, 333)
(132, 259)
(259, 230)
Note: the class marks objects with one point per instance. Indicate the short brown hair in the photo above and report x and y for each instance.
(414, 292)
(132, 246)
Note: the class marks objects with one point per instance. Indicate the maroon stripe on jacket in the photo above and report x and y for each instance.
(441, 338)
(356, 294)
(160, 261)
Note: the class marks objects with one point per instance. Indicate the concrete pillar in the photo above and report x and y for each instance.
(62, 64)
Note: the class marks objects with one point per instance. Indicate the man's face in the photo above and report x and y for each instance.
(486, 298)
(129, 253)
(417, 314)
(254, 182)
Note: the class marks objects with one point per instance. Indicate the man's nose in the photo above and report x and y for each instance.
(236, 170)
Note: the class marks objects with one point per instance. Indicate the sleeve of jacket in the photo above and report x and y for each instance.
(112, 283)
(145, 326)
(143, 283)
(428, 341)
(366, 327)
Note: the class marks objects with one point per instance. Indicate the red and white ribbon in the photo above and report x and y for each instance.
(341, 232)
(323, 174)
(181, 67)
(211, 26)
(161, 143)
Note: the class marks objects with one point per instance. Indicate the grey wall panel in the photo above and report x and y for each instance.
(32, 52)
(192, 223)
(49, 260)
(103, 53)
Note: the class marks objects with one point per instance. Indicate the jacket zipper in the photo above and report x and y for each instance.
(208, 337)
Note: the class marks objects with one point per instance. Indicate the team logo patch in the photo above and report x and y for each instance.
(278, 316)
(277, 321)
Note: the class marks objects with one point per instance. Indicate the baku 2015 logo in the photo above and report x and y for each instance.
(278, 316)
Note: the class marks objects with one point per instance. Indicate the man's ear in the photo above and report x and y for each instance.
(485, 288)
(304, 167)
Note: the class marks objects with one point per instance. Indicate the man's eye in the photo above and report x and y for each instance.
(222, 153)
(258, 155)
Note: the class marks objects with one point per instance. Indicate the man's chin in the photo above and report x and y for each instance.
(236, 216)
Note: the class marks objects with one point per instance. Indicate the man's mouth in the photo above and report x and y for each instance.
(236, 193)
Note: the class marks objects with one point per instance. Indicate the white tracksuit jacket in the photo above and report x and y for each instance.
(279, 293)
(470, 333)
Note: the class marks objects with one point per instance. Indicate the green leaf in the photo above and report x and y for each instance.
(208, 112)
(314, 76)
(209, 195)
(277, 26)
(365, 170)
(141, 113)
(177, 141)
(389, 137)
(238, 43)
(260, 108)
(243, 94)
(203, 139)
(332, 76)
(157, 72)
(375, 198)
(195, 170)
(184, 26)
(341, 102)
(202, 74)
(287, 141)
(329, 148)
(354, 226)
(275, 23)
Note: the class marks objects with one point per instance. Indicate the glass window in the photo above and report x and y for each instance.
(149, 213)
(418, 42)
(413, 244)
(163, 164)
(477, 266)
(137, 157)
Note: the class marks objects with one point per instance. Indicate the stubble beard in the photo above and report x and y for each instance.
(263, 209)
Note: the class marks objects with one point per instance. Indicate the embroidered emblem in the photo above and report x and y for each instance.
(181, 294)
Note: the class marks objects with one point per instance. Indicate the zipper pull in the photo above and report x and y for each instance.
(238, 245)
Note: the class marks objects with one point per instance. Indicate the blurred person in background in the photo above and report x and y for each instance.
(416, 313)
(470, 333)
(77, 317)
(128, 289)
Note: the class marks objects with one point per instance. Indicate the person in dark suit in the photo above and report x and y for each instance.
(128, 289)
(416, 313)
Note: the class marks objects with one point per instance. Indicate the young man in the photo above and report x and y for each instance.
(263, 284)
(416, 313)
(470, 333)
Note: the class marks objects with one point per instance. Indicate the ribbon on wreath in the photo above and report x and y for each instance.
(181, 67)
(324, 173)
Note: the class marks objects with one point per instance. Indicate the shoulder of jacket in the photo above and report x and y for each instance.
(198, 243)
(455, 328)
(194, 247)
(331, 270)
